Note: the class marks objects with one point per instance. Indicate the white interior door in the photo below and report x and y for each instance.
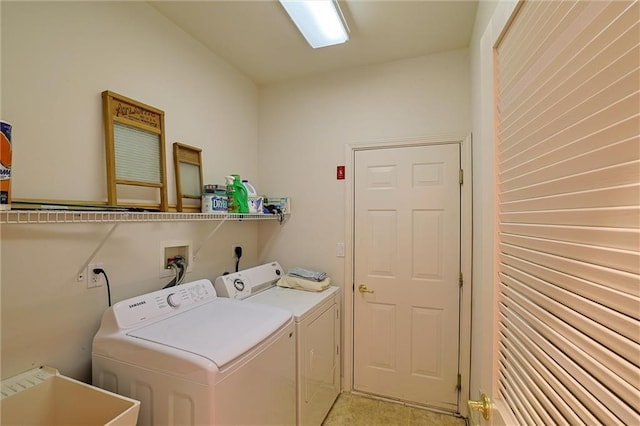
(407, 254)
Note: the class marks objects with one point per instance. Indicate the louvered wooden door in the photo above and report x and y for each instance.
(568, 109)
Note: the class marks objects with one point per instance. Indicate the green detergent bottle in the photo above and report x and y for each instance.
(237, 199)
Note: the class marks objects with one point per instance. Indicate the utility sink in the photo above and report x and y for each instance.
(42, 396)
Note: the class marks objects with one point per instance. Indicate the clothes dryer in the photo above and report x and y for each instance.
(192, 358)
(317, 322)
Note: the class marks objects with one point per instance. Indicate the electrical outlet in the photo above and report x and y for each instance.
(93, 279)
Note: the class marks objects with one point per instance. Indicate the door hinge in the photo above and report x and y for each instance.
(461, 280)
(338, 350)
(459, 384)
(461, 176)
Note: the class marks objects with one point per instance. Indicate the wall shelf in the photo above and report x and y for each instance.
(116, 218)
(75, 216)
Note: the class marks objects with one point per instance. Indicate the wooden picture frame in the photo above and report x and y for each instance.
(187, 162)
(135, 151)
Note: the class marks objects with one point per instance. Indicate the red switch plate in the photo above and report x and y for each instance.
(340, 173)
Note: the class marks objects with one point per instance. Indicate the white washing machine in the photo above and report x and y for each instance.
(192, 358)
(317, 319)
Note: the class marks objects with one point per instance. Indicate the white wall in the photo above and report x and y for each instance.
(56, 60)
(306, 124)
(483, 203)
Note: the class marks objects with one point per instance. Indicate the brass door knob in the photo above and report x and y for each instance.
(362, 288)
(483, 406)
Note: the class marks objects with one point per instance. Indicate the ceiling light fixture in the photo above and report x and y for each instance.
(320, 21)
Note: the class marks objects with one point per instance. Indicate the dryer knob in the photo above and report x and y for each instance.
(174, 300)
(238, 284)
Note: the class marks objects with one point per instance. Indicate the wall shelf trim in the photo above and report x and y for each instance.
(71, 216)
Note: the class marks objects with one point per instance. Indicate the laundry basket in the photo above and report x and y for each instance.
(42, 396)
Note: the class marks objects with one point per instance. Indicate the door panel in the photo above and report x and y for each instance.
(427, 260)
(383, 322)
(427, 328)
(407, 253)
(382, 234)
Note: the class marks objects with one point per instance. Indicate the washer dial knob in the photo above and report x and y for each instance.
(174, 300)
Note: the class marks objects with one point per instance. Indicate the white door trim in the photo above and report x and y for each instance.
(465, 252)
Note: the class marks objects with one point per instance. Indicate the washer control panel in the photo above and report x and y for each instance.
(161, 303)
(242, 284)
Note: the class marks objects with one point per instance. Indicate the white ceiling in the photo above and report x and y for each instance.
(259, 39)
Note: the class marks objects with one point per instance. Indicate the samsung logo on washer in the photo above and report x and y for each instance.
(133, 305)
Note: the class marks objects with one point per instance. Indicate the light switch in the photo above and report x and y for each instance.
(340, 250)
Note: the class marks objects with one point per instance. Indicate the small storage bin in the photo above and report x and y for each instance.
(44, 397)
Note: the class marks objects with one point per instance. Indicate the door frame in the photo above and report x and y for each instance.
(464, 142)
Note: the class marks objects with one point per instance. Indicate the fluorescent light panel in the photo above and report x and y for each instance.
(319, 21)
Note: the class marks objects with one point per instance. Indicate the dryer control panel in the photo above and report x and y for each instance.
(242, 284)
(161, 303)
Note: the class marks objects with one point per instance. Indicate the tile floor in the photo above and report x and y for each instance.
(356, 410)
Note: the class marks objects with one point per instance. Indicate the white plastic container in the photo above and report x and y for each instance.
(255, 202)
(251, 191)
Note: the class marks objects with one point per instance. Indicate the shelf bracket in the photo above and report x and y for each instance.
(83, 269)
(208, 237)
